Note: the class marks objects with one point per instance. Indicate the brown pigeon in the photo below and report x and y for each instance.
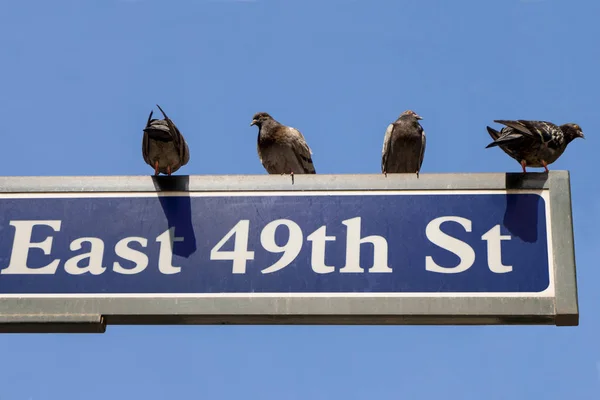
(282, 149)
(534, 143)
(403, 145)
(163, 146)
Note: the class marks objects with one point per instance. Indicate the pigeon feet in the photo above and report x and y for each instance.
(545, 165)
(523, 165)
(292, 174)
(156, 168)
(169, 170)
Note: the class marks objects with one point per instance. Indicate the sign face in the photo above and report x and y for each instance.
(353, 242)
(91, 252)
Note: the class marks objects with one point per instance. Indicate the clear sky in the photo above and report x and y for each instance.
(78, 79)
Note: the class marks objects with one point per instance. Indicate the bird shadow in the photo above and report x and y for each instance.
(178, 210)
(521, 215)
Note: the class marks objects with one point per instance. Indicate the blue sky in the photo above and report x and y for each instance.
(78, 79)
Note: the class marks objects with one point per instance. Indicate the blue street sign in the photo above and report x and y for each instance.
(271, 243)
(78, 253)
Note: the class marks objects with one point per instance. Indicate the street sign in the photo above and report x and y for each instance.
(77, 253)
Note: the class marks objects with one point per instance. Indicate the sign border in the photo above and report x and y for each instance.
(91, 313)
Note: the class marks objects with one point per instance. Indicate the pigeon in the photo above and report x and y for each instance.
(163, 146)
(534, 143)
(282, 149)
(403, 145)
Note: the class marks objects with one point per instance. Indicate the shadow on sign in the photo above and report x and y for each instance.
(522, 212)
(178, 211)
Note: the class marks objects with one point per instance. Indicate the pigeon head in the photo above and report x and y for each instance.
(260, 118)
(571, 132)
(410, 113)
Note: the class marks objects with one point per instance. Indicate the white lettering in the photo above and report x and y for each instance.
(353, 242)
(240, 254)
(453, 245)
(95, 256)
(165, 254)
(21, 245)
(317, 258)
(124, 251)
(290, 249)
(494, 239)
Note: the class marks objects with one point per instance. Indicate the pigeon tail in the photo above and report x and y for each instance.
(503, 138)
(495, 135)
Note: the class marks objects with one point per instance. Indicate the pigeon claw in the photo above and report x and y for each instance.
(524, 165)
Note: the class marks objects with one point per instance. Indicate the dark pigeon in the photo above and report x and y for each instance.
(403, 145)
(534, 143)
(163, 146)
(282, 149)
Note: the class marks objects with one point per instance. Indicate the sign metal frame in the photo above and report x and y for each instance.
(82, 313)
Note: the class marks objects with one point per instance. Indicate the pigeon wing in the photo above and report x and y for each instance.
(180, 143)
(301, 150)
(182, 147)
(385, 151)
(538, 130)
(146, 142)
(423, 143)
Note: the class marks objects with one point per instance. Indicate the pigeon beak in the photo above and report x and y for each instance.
(253, 122)
(418, 116)
(581, 135)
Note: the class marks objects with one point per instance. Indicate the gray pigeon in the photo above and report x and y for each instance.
(163, 146)
(282, 149)
(403, 145)
(534, 143)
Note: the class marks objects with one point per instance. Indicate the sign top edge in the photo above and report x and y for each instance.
(322, 182)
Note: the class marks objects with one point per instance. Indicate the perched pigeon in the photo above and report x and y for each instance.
(163, 146)
(403, 145)
(533, 143)
(282, 149)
